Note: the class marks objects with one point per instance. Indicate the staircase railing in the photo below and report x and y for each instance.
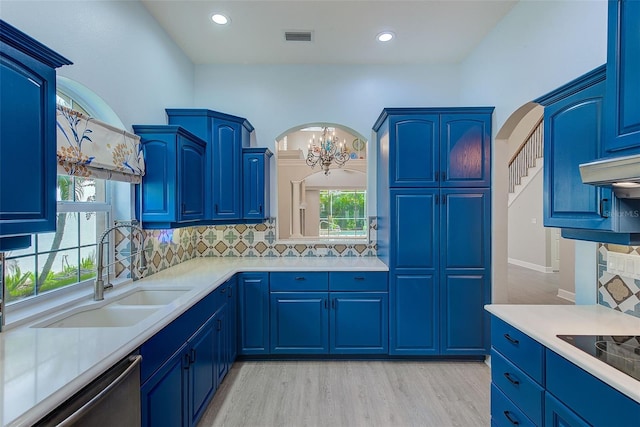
(526, 155)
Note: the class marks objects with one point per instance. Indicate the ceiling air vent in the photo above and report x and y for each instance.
(298, 36)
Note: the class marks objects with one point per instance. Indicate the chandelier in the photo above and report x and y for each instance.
(326, 150)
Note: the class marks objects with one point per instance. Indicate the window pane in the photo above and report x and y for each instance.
(65, 188)
(91, 226)
(342, 214)
(87, 263)
(57, 269)
(20, 277)
(66, 235)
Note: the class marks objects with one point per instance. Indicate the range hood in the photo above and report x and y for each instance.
(622, 174)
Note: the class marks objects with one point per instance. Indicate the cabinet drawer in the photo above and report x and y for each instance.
(299, 281)
(358, 281)
(518, 387)
(504, 413)
(598, 403)
(523, 351)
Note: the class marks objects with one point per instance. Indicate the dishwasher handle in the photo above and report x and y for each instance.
(134, 361)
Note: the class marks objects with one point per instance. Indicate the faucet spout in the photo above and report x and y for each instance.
(99, 285)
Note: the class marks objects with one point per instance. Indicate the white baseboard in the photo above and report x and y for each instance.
(530, 265)
(569, 296)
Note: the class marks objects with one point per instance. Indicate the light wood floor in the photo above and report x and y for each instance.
(528, 286)
(368, 393)
(352, 393)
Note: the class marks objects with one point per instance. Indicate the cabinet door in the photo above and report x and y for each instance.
(221, 318)
(413, 150)
(359, 323)
(299, 323)
(202, 372)
(191, 161)
(413, 314)
(558, 415)
(623, 84)
(253, 313)
(573, 135)
(164, 399)
(254, 191)
(28, 148)
(415, 234)
(232, 323)
(158, 189)
(465, 150)
(226, 151)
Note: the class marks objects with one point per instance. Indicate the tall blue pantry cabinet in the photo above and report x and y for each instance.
(434, 227)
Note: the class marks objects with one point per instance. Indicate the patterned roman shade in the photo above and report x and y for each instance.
(90, 148)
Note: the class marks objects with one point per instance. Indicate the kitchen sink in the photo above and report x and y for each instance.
(109, 316)
(151, 297)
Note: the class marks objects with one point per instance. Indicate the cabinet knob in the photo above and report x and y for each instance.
(260, 208)
(511, 379)
(511, 419)
(511, 340)
(603, 212)
(300, 278)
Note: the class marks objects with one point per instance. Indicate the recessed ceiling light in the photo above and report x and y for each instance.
(385, 36)
(219, 19)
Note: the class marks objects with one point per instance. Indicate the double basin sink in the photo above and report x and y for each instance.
(122, 310)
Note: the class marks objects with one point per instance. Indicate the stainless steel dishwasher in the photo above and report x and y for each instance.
(113, 399)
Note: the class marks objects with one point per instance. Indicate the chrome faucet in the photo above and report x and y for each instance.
(99, 286)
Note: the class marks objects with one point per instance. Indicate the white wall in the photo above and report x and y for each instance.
(119, 52)
(528, 241)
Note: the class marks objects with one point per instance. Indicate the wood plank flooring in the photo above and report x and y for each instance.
(352, 393)
(368, 393)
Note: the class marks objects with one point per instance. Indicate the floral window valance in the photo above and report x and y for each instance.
(90, 148)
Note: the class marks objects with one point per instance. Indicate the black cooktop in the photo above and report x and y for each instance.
(621, 352)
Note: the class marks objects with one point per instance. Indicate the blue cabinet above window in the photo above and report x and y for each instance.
(27, 137)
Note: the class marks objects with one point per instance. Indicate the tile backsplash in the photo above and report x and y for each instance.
(166, 248)
(615, 291)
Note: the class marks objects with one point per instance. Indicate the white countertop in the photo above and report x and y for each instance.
(42, 367)
(544, 322)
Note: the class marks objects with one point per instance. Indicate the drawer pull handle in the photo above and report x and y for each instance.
(512, 380)
(358, 278)
(511, 420)
(300, 278)
(511, 340)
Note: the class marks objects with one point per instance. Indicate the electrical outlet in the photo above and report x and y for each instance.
(623, 265)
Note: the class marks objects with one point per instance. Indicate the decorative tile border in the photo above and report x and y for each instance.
(166, 248)
(614, 291)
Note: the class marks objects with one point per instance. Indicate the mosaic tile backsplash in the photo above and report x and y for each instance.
(614, 291)
(166, 248)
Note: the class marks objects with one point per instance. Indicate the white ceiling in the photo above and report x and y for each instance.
(427, 31)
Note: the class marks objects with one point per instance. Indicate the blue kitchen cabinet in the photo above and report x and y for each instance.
(559, 415)
(185, 362)
(299, 322)
(256, 174)
(434, 231)
(232, 323)
(465, 246)
(573, 134)
(413, 314)
(623, 86)
(465, 148)
(226, 136)
(434, 147)
(359, 323)
(27, 137)
(253, 314)
(172, 190)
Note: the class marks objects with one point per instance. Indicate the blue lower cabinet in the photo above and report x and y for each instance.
(413, 307)
(232, 323)
(163, 400)
(504, 413)
(299, 323)
(253, 313)
(359, 323)
(558, 415)
(201, 370)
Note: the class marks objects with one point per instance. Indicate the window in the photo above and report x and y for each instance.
(67, 256)
(342, 214)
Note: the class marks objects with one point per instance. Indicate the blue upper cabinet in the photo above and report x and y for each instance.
(225, 136)
(27, 137)
(172, 190)
(465, 149)
(256, 182)
(623, 83)
(435, 147)
(573, 134)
